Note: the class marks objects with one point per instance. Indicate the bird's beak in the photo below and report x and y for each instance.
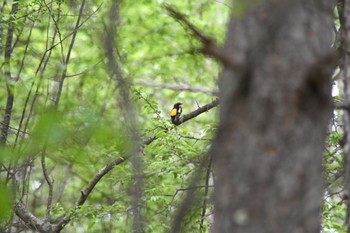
(180, 105)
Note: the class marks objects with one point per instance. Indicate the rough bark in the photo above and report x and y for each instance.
(273, 119)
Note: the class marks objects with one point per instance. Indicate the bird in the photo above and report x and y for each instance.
(176, 112)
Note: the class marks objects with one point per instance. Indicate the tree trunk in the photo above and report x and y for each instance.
(273, 118)
(9, 83)
(344, 11)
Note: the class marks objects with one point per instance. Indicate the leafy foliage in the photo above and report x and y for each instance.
(86, 128)
(83, 129)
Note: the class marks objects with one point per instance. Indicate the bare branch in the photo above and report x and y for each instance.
(342, 105)
(84, 71)
(23, 112)
(49, 183)
(178, 87)
(88, 189)
(57, 28)
(75, 31)
(210, 47)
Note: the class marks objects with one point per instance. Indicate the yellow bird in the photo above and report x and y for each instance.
(176, 112)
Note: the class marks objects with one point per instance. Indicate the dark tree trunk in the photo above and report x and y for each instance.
(273, 119)
(9, 83)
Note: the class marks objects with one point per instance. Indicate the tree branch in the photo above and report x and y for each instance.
(8, 81)
(64, 73)
(31, 220)
(178, 87)
(210, 47)
(88, 189)
(197, 112)
(342, 105)
(49, 183)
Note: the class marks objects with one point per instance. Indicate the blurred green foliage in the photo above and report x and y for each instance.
(5, 203)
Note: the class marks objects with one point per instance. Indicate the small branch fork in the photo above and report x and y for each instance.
(210, 47)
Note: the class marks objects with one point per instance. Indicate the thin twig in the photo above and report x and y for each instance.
(23, 112)
(70, 48)
(204, 208)
(178, 87)
(155, 111)
(26, 47)
(49, 183)
(194, 138)
(49, 49)
(57, 29)
(84, 71)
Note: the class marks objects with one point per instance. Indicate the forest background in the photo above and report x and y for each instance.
(87, 141)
